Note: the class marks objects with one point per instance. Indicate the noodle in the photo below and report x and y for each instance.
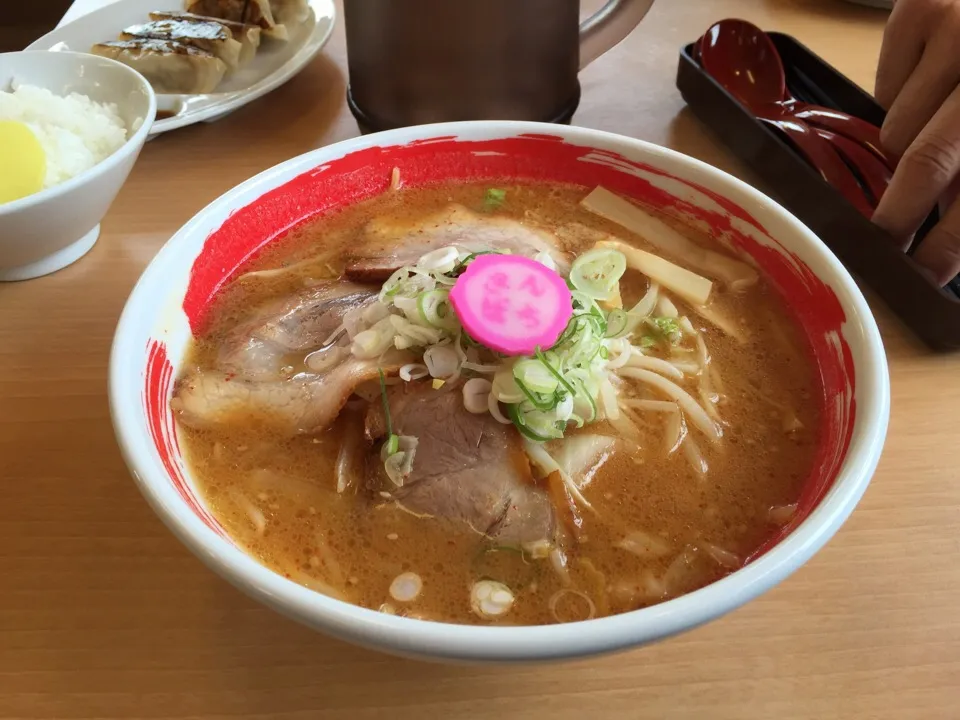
(666, 308)
(279, 272)
(653, 405)
(697, 414)
(674, 433)
(691, 451)
(647, 303)
(656, 364)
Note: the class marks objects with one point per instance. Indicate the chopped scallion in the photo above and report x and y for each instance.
(617, 322)
(539, 400)
(494, 198)
(667, 325)
(556, 373)
(513, 412)
(393, 445)
(597, 273)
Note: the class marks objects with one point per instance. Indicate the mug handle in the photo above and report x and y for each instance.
(608, 26)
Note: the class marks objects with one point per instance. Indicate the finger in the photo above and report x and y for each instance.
(934, 78)
(927, 169)
(903, 41)
(950, 196)
(940, 250)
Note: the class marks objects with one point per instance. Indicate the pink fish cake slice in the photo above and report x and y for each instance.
(512, 304)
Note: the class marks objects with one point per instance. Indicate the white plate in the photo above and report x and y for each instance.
(275, 63)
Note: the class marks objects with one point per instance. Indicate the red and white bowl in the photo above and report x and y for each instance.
(172, 296)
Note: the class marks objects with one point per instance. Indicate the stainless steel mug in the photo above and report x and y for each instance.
(422, 61)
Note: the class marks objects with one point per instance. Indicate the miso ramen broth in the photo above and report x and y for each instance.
(654, 496)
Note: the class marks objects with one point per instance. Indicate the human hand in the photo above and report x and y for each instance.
(918, 82)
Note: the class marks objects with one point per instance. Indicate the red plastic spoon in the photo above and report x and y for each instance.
(748, 66)
(743, 58)
(819, 153)
(874, 174)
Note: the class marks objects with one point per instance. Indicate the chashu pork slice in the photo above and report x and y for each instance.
(305, 403)
(386, 246)
(468, 469)
(289, 327)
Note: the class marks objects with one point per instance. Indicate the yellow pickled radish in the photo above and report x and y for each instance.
(24, 163)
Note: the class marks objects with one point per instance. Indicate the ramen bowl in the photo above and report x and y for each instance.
(172, 298)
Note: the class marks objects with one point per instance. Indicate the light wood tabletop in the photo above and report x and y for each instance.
(103, 614)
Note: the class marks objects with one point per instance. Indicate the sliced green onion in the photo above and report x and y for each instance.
(585, 303)
(440, 260)
(393, 284)
(591, 404)
(393, 445)
(535, 376)
(547, 427)
(435, 309)
(597, 273)
(513, 412)
(617, 321)
(461, 266)
(556, 373)
(567, 332)
(597, 320)
(541, 401)
(647, 341)
(494, 198)
(667, 325)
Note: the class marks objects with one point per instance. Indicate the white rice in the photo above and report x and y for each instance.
(76, 133)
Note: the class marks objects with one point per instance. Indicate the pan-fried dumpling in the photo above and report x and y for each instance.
(169, 66)
(251, 12)
(247, 35)
(289, 12)
(210, 36)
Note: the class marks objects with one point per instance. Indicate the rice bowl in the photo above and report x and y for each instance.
(76, 133)
(50, 229)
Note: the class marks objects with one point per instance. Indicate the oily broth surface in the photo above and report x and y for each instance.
(353, 547)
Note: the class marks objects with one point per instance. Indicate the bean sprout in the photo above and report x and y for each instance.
(690, 406)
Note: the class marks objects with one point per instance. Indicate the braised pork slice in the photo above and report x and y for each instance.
(468, 468)
(305, 403)
(387, 246)
(252, 379)
(259, 347)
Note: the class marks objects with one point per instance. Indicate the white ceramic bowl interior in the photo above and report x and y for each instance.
(155, 329)
(49, 230)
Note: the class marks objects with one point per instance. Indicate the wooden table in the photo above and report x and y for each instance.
(104, 615)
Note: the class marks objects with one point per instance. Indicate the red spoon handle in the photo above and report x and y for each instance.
(847, 125)
(875, 174)
(825, 160)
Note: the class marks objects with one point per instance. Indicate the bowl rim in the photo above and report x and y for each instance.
(516, 643)
(133, 141)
